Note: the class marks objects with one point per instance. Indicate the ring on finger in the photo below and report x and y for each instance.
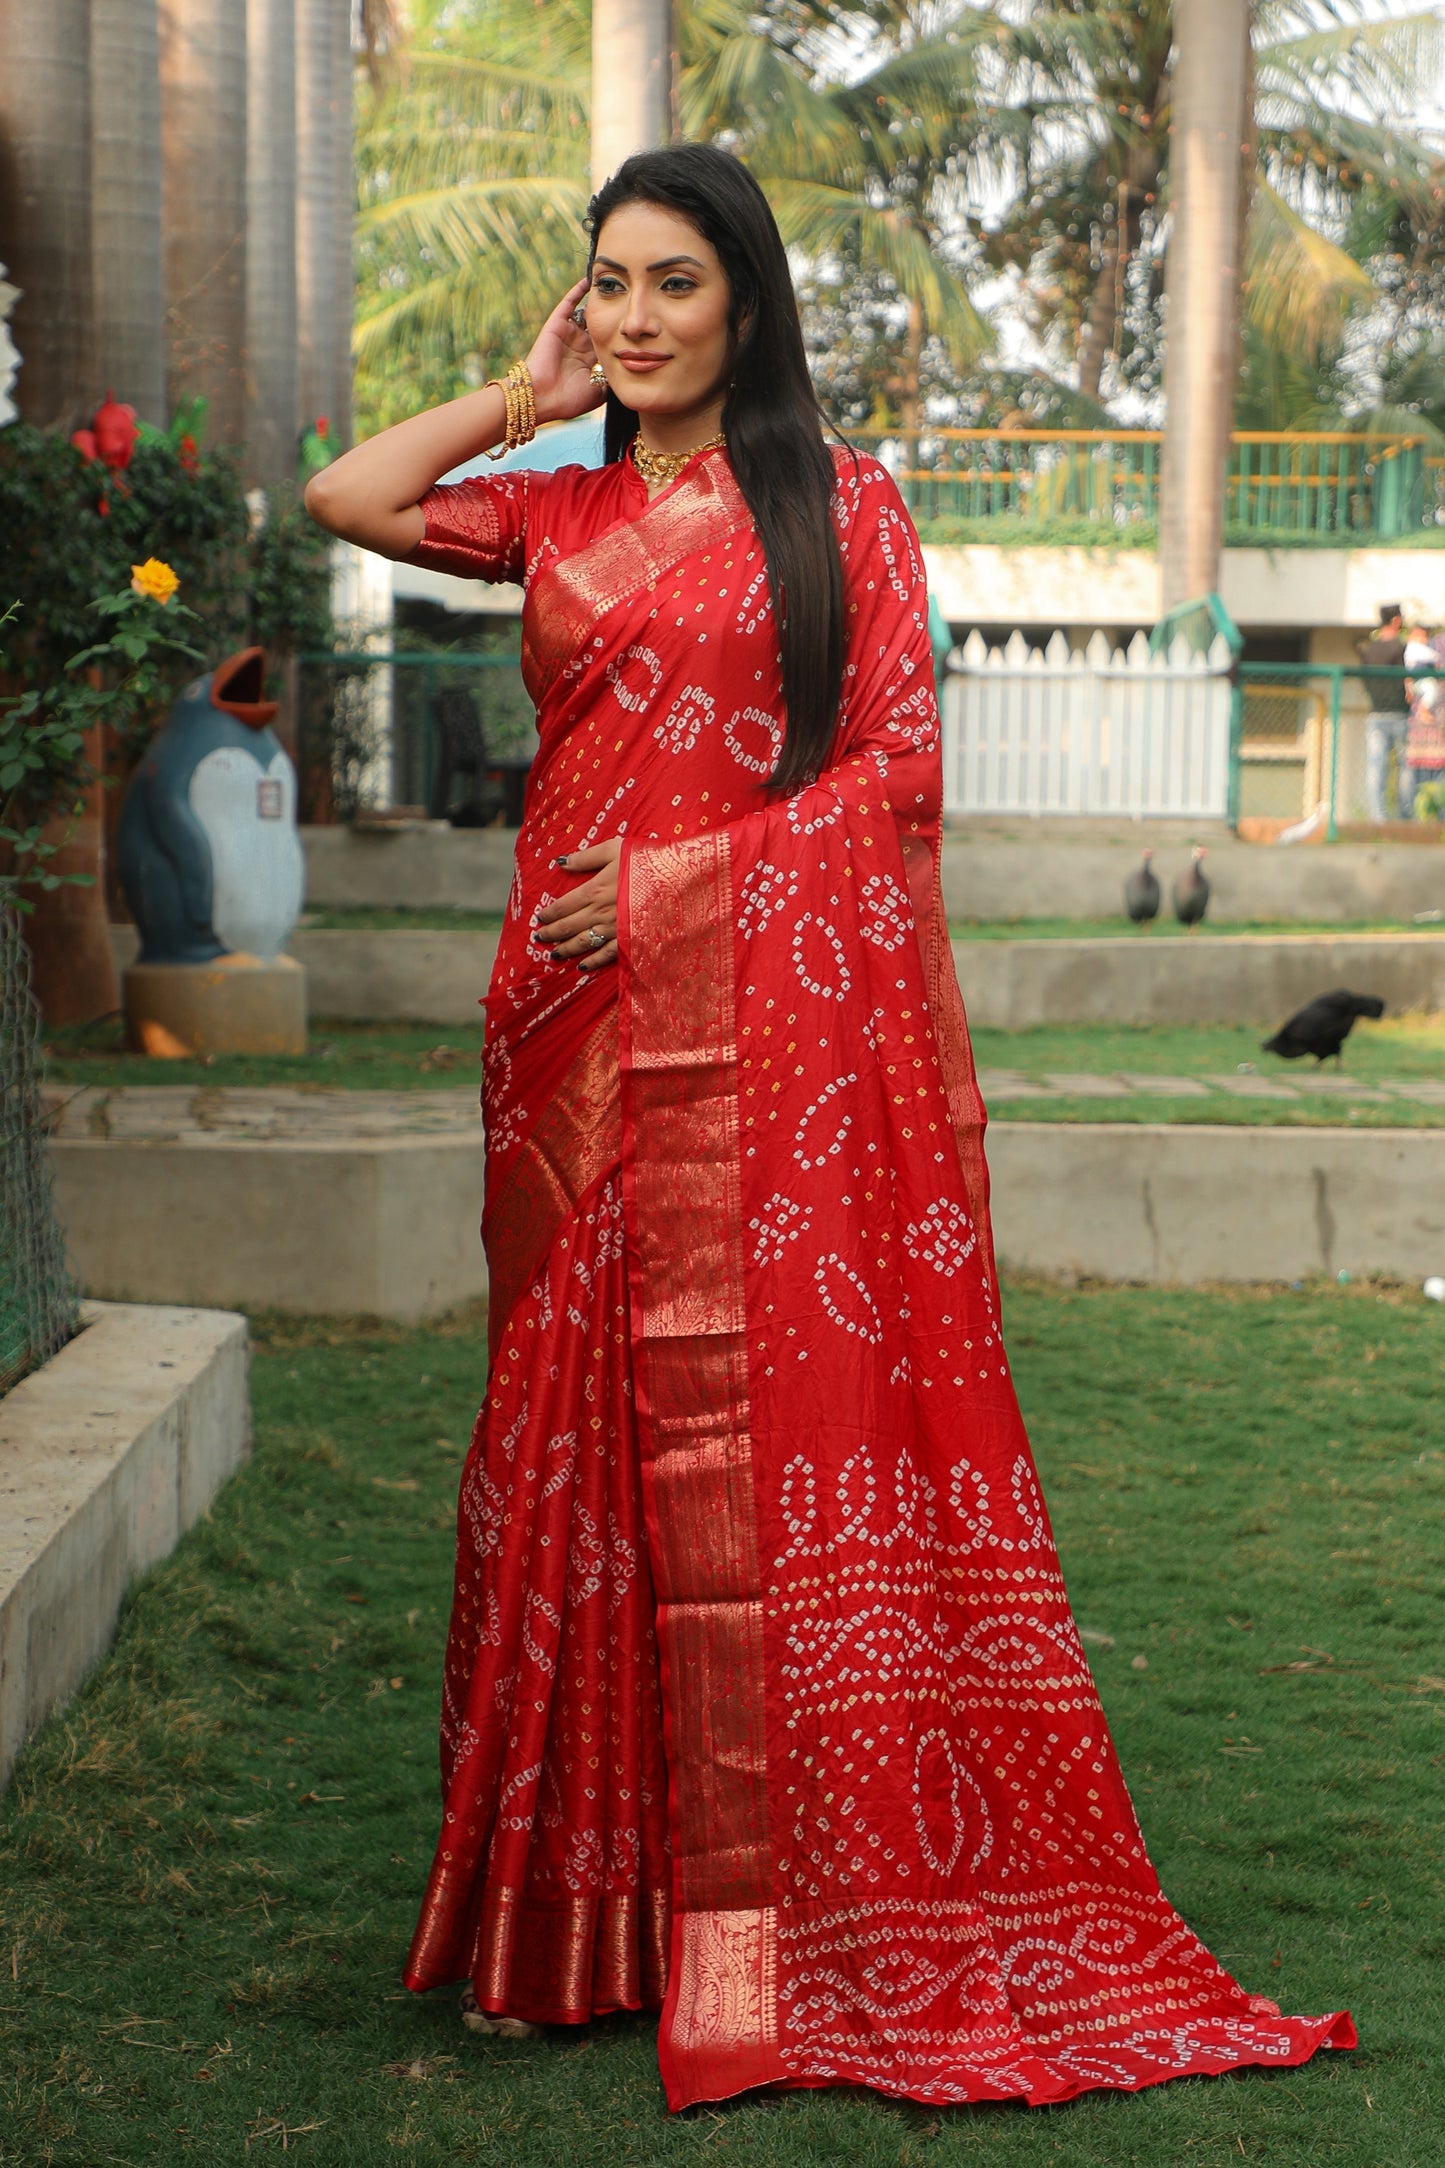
(596, 937)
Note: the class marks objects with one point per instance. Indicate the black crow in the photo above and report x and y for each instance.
(1141, 892)
(1322, 1026)
(1191, 890)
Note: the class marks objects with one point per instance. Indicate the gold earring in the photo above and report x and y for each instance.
(599, 374)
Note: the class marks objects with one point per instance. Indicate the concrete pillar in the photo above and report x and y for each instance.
(271, 377)
(324, 214)
(45, 203)
(130, 351)
(203, 207)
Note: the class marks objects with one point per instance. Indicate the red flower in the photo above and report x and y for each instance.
(190, 456)
(115, 433)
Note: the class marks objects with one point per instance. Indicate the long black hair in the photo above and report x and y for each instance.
(771, 420)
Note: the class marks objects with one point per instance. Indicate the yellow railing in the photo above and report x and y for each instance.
(1336, 485)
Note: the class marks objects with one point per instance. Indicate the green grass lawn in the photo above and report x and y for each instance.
(400, 1057)
(209, 1862)
(366, 918)
(1166, 928)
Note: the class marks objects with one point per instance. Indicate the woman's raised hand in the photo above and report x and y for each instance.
(568, 927)
(561, 363)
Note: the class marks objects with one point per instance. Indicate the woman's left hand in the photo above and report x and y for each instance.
(568, 927)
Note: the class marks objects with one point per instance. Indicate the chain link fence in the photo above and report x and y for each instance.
(1283, 752)
(38, 1309)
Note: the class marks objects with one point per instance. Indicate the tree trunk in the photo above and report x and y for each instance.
(130, 351)
(631, 80)
(324, 201)
(203, 207)
(271, 382)
(45, 203)
(1101, 323)
(910, 403)
(67, 932)
(1202, 280)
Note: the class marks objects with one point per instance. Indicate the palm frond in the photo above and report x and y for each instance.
(820, 221)
(1298, 285)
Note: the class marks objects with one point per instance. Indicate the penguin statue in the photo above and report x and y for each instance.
(213, 871)
(207, 848)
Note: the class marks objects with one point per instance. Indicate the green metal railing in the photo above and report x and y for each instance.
(1330, 677)
(1332, 486)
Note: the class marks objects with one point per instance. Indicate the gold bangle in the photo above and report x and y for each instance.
(520, 405)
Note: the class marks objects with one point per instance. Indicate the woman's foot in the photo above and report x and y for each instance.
(475, 2018)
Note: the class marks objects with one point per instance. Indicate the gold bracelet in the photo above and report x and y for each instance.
(521, 408)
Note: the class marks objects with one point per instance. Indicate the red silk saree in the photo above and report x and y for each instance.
(764, 1701)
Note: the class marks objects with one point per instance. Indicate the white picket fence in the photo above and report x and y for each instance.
(1105, 731)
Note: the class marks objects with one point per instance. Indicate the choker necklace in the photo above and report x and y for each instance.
(667, 466)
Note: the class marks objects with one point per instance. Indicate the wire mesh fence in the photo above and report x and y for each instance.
(38, 1309)
(1283, 752)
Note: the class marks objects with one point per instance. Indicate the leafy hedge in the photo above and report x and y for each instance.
(264, 581)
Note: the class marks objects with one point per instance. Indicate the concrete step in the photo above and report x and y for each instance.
(108, 1453)
(1197, 979)
(439, 978)
(1049, 870)
(370, 1202)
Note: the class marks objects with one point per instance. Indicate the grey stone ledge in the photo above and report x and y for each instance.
(107, 1455)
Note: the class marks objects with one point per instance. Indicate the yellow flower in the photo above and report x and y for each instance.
(154, 579)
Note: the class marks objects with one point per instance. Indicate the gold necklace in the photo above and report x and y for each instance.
(667, 466)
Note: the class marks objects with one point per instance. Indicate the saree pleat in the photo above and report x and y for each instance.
(550, 1891)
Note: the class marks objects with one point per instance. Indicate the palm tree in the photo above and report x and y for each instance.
(45, 202)
(631, 80)
(472, 168)
(1090, 171)
(272, 397)
(1211, 152)
(203, 199)
(324, 199)
(129, 341)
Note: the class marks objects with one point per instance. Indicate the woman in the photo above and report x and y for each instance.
(763, 1698)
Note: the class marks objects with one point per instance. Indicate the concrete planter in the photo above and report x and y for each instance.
(107, 1455)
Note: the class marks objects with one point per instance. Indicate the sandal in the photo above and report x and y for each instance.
(476, 2020)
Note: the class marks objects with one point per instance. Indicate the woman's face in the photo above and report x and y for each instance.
(657, 313)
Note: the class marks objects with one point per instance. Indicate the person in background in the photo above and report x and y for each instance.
(1388, 719)
(1425, 736)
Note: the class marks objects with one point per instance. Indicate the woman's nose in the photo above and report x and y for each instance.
(639, 321)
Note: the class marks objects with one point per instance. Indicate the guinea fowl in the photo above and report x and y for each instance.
(1191, 890)
(1141, 892)
(1322, 1026)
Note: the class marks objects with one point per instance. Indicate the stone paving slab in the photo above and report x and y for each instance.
(1251, 1087)
(217, 1115)
(151, 1114)
(1085, 1084)
(1164, 1087)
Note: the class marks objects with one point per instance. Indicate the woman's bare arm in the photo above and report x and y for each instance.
(371, 495)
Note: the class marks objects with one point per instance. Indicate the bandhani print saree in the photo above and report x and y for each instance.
(764, 1701)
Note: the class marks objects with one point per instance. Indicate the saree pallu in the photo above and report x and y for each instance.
(896, 1849)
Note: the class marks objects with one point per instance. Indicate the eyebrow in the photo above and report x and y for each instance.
(666, 264)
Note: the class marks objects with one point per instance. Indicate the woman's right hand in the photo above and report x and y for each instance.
(561, 363)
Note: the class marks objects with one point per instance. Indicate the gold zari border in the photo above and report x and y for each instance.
(571, 1145)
